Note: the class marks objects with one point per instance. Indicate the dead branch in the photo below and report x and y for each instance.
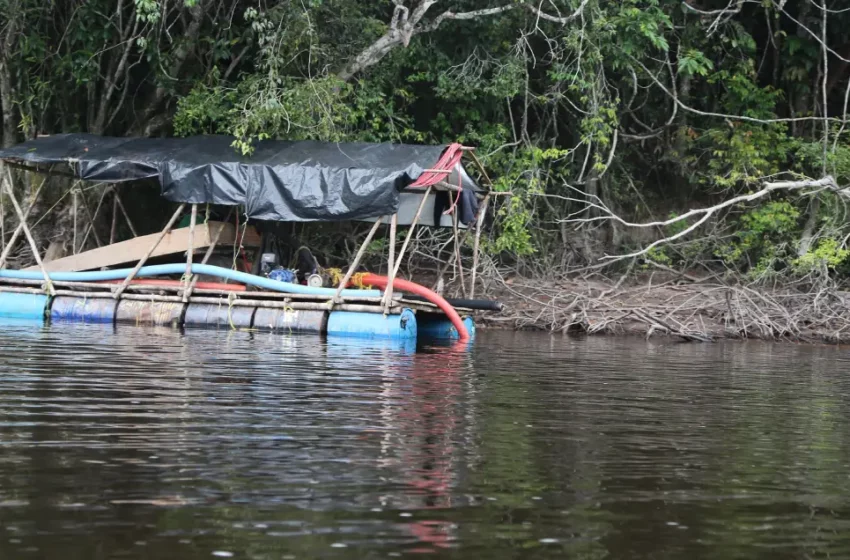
(406, 22)
(826, 183)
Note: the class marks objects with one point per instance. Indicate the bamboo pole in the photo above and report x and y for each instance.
(482, 211)
(2, 221)
(126, 215)
(75, 209)
(15, 234)
(190, 252)
(450, 260)
(153, 247)
(91, 220)
(480, 167)
(388, 291)
(114, 227)
(356, 262)
(457, 252)
(410, 231)
(23, 218)
(91, 228)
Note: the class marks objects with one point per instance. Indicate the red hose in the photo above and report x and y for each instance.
(450, 158)
(413, 288)
(176, 283)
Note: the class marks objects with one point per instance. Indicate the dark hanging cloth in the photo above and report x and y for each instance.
(467, 205)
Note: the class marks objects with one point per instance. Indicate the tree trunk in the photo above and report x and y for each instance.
(149, 124)
(10, 122)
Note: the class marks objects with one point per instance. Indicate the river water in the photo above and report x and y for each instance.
(135, 443)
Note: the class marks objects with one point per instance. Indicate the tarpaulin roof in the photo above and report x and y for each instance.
(279, 181)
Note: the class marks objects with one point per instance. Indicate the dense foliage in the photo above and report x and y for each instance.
(644, 106)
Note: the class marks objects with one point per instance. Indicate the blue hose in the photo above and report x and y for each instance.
(163, 269)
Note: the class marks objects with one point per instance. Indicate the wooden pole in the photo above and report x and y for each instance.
(356, 262)
(457, 252)
(482, 210)
(126, 215)
(410, 231)
(23, 218)
(112, 230)
(144, 259)
(388, 291)
(15, 234)
(190, 253)
(74, 206)
(91, 221)
(480, 167)
(91, 226)
(450, 260)
(2, 221)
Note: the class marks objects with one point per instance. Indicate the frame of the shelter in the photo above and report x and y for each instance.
(388, 303)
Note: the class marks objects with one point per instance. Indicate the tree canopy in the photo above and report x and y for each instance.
(641, 107)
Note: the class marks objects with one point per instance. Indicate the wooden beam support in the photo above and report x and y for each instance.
(23, 218)
(91, 221)
(126, 215)
(209, 252)
(187, 276)
(18, 230)
(388, 291)
(114, 227)
(410, 231)
(156, 243)
(356, 262)
(476, 251)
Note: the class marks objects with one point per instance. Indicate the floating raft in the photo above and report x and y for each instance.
(260, 311)
(280, 182)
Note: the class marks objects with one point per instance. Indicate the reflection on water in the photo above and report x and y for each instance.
(140, 443)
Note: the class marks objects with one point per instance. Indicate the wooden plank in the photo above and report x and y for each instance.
(130, 251)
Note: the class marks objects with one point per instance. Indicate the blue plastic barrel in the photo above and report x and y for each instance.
(83, 310)
(22, 306)
(373, 325)
(438, 326)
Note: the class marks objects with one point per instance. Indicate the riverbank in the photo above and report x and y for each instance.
(665, 306)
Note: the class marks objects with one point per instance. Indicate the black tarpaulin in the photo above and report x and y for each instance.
(280, 181)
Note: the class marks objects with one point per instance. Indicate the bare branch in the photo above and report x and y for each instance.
(724, 115)
(827, 182)
(405, 24)
(474, 14)
(555, 19)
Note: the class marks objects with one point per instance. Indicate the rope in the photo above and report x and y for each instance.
(336, 275)
(358, 280)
